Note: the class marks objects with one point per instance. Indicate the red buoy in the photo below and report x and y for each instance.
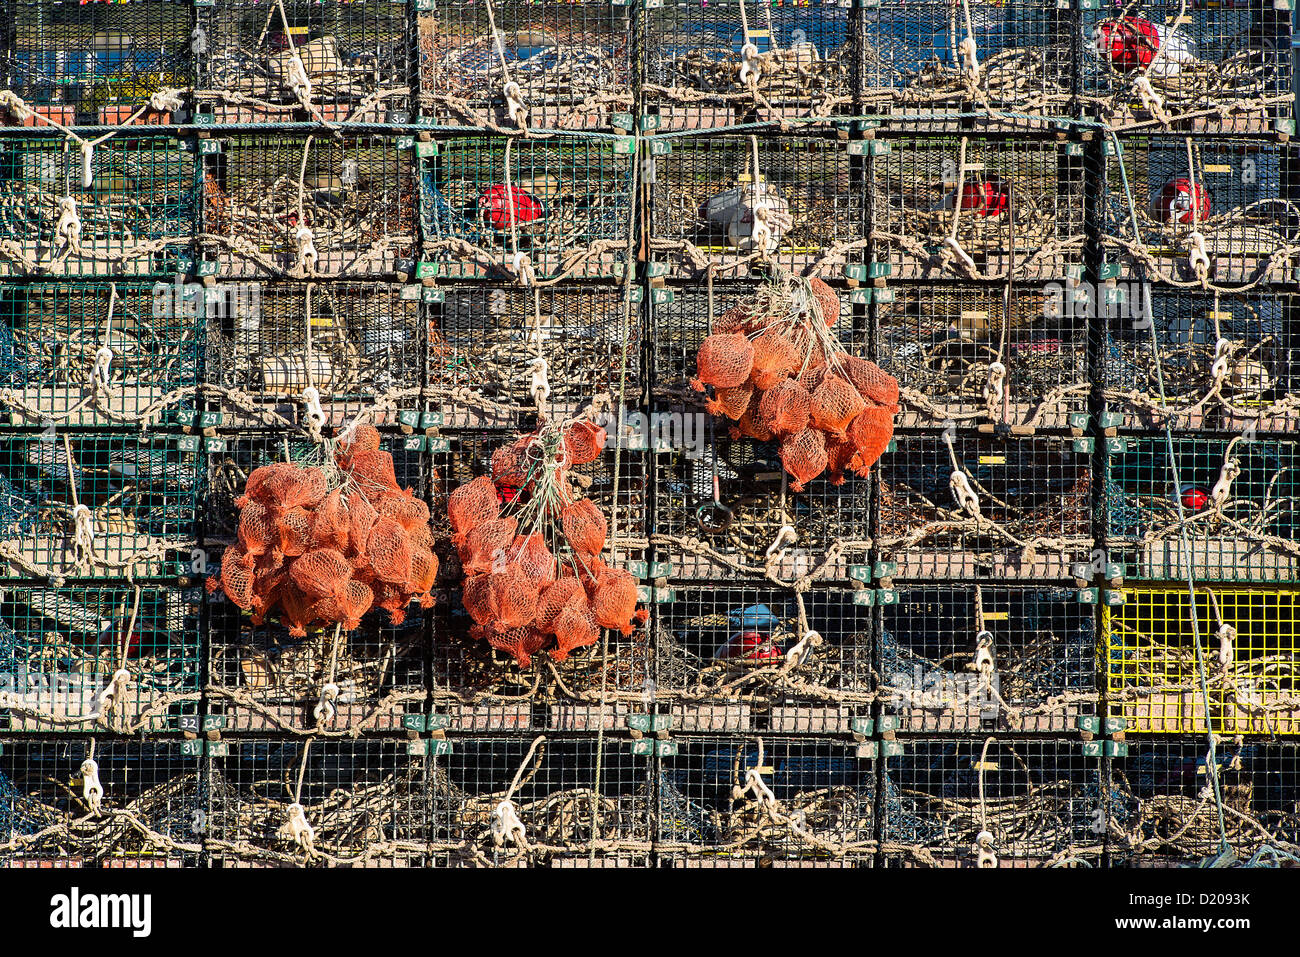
(986, 197)
(1195, 498)
(748, 646)
(1128, 43)
(1179, 199)
(495, 203)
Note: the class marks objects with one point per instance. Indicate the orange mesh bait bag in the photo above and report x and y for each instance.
(872, 382)
(826, 300)
(834, 405)
(724, 361)
(361, 518)
(393, 600)
(236, 578)
(785, 409)
(840, 454)
(255, 532)
(476, 595)
(487, 544)
(511, 465)
(804, 457)
(364, 438)
(614, 601)
(514, 599)
(321, 573)
(751, 426)
(349, 609)
(255, 487)
(584, 441)
(735, 319)
(584, 527)
(534, 559)
(557, 596)
(575, 627)
(372, 471)
(520, 643)
(424, 571)
(389, 552)
(732, 403)
(471, 504)
(330, 529)
(775, 359)
(296, 611)
(870, 434)
(294, 531)
(410, 512)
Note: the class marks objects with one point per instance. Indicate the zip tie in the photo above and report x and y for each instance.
(1222, 352)
(1223, 487)
(324, 711)
(103, 362)
(116, 685)
(301, 832)
(91, 789)
(995, 387)
(803, 649)
(540, 388)
(984, 653)
(984, 848)
(87, 162)
(515, 106)
(1227, 638)
(506, 826)
(784, 535)
(966, 498)
(750, 70)
(313, 413)
(970, 59)
(306, 243)
(68, 227)
(1197, 257)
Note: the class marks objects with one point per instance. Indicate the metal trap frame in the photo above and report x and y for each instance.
(97, 63)
(360, 345)
(768, 800)
(125, 208)
(572, 64)
(356, 58)
(526, 209)
(1241, 231)
(1041, 673)
(998, 802)
(1032, 501)
(1250, 538)
(307, 206)
(51, 337)
(706, 194)
(1154, 668)
(484, 341)
(149, 813)
(1253, 386)
(364, 803)
(131, 496)
(1017, 202)
(733, 658)
(113, 657)
(576, 799)
(1164, 813)
(1217, 68)
(720, 64)
(954, 348)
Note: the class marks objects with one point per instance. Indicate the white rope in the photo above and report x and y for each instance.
(1197, 256)
(995, 388)
(755, 785)
(802, 649)
(102, 369)
(966, 498)
(83, 535)
(307, 255)
(785, 536)
(68, 227)
(324, 711)
(520, 264)
(312, 414)
(540, 387)
(91, 789)
(87, 164)
(166, 100)
(760, 234)
(506, 826)
(1227, 642)
(1219, 368)
(1151, 100)
(11, 101)
(515, 106)
(300, 831)
(970, 60)
(984, 849)
(299, 82)
(750, 70)
(984, 654)
(1223, 487)
(109, 697)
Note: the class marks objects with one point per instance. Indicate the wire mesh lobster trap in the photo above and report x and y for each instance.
(734, 657)
(772, 801)
(924, 59)
(1000, 802)
(512, 64)
(360, 345)
(977, 207)
(307, 207)
(325, 803)
(97, 504)
(559, 800)
(968, 354)
(98, 354)
(733, 202)
(718, 64)
(97, 63)
(1226, 361)
(298, 60)
(1180, 209)
(1206, 68)
(124, 208)
(87, 802)
(982, 508)
(1165, 812)
(116, 658)
(484, 344)
(528, 209)
(959, 659)
(1223, 509)
(1243, 646)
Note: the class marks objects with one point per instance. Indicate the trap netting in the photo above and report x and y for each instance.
(1225, 509)
(993, 802)
(1247, 650)
(735, 657)
(359, 345)
(321, 803)
(556, 800)
(719, 64)
(97, 63)
(116, 658)
(1200, 212)
(1226, 360)
(511, 64)
(97, 504)
(732, 201)
(124, 208)
(101, 802)
(971, 658)
(767, 801)
(98, 354)
(307, 207)
(482, 339)
(1207, 69)
(978, 207)
(527, 209)
(966, 355)
(1164, 810)
(982, 508)
(295, 61)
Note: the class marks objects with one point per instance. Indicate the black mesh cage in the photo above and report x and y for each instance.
(1025, 511)
(364, 803)
(304, 61)
(572, 63)
(51, 337)
(1041, 671)
(307, 207)
(1027, 802)
(152, 812)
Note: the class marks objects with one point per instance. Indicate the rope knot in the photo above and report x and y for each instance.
(785, 536)
(1223, 487)
(166, 100)
(995, 388)
(540, 386)
(305, 241)
(515, 106)
(109, 697)
(101, 371)
(1227, 639)
(13, 103)
(83, 535)
(68, 227)
(802, 649)
(1197, 256)
(300, 831)
(755, 785)
(984, 654)
(324, 711)
(313, 413)
(299, 81)
(91, 789)
(970, 60)
(1152, 101)
(750, 69)
(966, 498)
(1219, 368)
(506, 826)
(984, 849)
(522, 267)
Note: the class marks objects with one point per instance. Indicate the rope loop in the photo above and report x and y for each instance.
(984, 654)
(305, 241)
(785, 536)
(68, 227)
(101, 371)
(506, 826)
(166, 100)
(324, 711)
(970, 60)
(13, 103)
(995, 388)
(91, 790)
(313, 413)
(802, 649)
(116, 688)
(1222, 353)
(1223, 487)
(1227, 642)
(1197, 256)
(83, 535)
(750, 70)
(87, 164)
(984, 849)
(522, 267)
(515, 106)
(966, 498)
(300, 831)
(540, 386)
